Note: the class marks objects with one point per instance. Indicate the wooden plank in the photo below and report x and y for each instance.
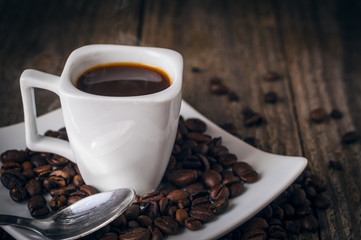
(42, 34)
(315, 60)
(200, 31)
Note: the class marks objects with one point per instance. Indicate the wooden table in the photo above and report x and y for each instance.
(315, 46)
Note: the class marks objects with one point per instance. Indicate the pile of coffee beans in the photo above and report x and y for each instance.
(293, 212)
(201, 179)
(30, 175)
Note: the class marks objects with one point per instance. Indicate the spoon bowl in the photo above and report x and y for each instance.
(79, 219)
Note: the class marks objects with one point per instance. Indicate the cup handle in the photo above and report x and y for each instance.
(29, 80)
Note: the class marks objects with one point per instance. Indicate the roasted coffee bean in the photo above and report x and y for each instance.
(56, 160)
(350, 137)
(62, 191)
(58, 202)
(303, 211)
(13, 155)
(151, 209)
(89, 190)
(233, 96)
(217, 167)
(318, 115)
(152, 196)
(254, 234)
(272, 76)
(229, 179)
(38, 160)
(277, 232)
(26, 165)
(199, 137)
(43, 169)
(336, 114)
(10, 165)
(144, 221)
(218, 150)
(119, 222)
(227, 160)
(180, 215)
(183, 203)
(182, 178)
(245, 172)
(278, 212)
(275, 221)
(203, 214)
(247, 112)
(220, 206)
(292, 226)
(164, 204)
(28, 173)
(132, 212)
(310, 223)
(79, 193)
(298, 197)
(167, 225)
(255, 223)
(167, 188)
(195, 187)
(192, 223)
(12, 179)
(172, 210)
(288, 210)
(133, 224)
(195, 125)
(317, 182)
(135, 234)
(109, 236)
(335, 165)
(211, 178)
(18, 194)
(254, 120)
(49, 184)
(37, 206)
(204, 160)
(33, 187)
(219, 191)
(177, 195)
(51, 133)
(201, 202)
(70, 170)
(310, 191)
(218, 88)
(266, 212)
(78, 181)
(191, 162)
(155, 232)
(199, 194)
(235, 189)
(62, 134)
(61, 177)
(270, 97)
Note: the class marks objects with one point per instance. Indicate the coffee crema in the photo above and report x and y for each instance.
(123, 79)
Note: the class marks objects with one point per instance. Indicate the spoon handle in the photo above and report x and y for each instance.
(31, 224)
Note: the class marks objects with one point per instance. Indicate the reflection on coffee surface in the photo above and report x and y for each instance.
(123, 79)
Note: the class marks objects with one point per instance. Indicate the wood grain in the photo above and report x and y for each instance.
(313, 45)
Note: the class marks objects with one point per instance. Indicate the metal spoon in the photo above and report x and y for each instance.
(79, 219)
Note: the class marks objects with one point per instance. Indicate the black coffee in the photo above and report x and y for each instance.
(123, 79)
